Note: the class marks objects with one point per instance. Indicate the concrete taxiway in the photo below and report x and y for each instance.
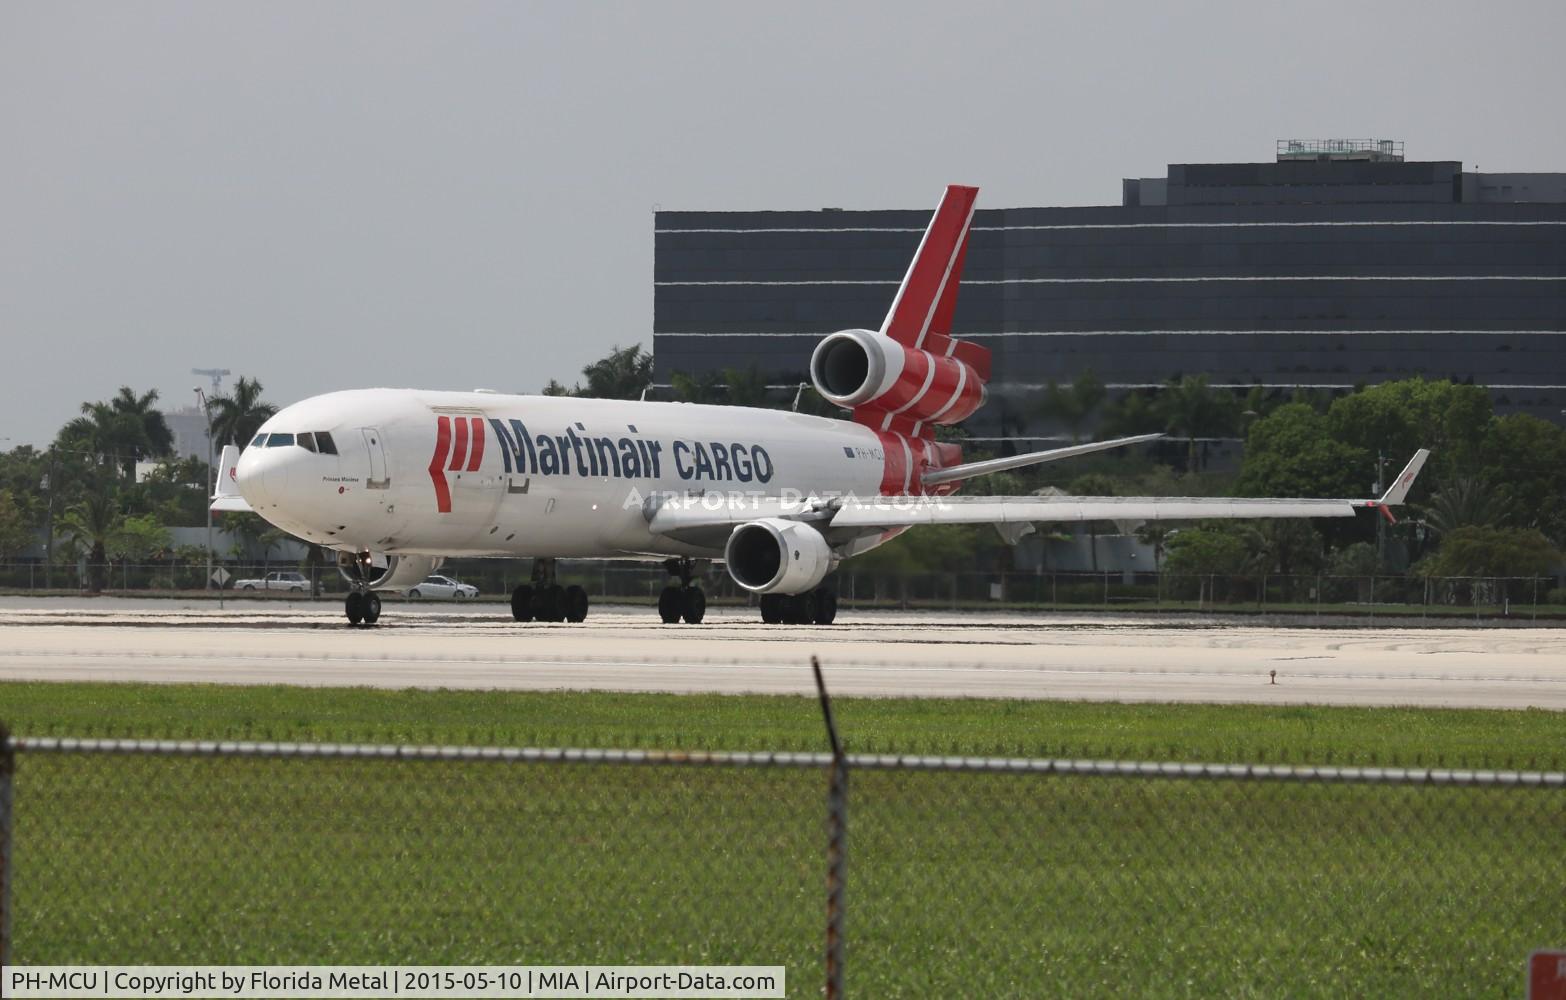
(934, 654)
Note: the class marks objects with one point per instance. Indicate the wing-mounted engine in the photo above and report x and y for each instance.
(777, 556)
(384, 572)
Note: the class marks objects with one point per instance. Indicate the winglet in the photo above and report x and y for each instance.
(1398, 491)
(227, 497)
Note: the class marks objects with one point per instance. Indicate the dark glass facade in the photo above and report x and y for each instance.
(1286, 274)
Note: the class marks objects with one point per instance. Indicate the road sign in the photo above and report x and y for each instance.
(1547, 975)
(220, 577)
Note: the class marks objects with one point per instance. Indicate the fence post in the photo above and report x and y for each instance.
(7, 774)
(837, 844)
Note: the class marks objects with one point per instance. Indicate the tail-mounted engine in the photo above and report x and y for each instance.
(864, 371)
(383, 572)
(777, 556)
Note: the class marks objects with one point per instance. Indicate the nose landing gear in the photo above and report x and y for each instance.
(362, 605)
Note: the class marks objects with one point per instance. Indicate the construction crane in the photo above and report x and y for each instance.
(215, 374)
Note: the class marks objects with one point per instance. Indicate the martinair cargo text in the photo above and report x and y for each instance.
(394, 480)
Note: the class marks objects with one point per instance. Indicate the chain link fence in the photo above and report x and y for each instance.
(1518, 598)
(953, 877)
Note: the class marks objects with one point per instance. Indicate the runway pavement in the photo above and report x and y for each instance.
(1125, 658)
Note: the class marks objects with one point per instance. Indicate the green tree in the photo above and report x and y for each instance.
(1465, 502)
(152, 438)
(1192, 409)
(138, 538)
(88, 527)
(1156, 535)
(1134, 413)
(112, 437)
(621, 374)
(1207, 551)
(1396, 418)
(1073, 405)
(238, 415)
(1527, 456)
(1475, 550)
(706, 387)
(1093, 484)
(1291, 452)
(16, 530)
(730, 386)
(1284, 545)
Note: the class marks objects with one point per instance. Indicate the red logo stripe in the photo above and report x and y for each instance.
(438, 465)
(477, 454)
(459, 454)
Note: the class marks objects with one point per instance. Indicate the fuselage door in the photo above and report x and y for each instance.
(379, 479)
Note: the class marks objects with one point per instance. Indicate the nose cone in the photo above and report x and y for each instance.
(249, 474)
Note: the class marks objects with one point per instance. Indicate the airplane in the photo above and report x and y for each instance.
(396, 480)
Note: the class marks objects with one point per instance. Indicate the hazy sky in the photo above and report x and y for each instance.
(461, 194)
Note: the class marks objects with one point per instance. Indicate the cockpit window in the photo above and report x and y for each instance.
(307, 441)
(259, 442)
(280, 441)
(324, 443)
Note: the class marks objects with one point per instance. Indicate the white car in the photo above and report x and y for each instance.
(295, 582)
(442, 587)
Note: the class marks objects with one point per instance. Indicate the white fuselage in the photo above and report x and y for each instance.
(484, 474)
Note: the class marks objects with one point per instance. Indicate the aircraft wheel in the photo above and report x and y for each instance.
(522, 603)
(353, 604)
(826, 605)
(772, 608)
(670, 605)
(372, 608)
(799, 609)
(693, 605)
(575, 604)
(547, 603)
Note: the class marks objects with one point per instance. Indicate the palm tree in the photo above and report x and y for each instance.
(147, 432)
(1073, 405)
(621, 374)
(1093, 484)
(115, 435)
(1192, 409)
(1465, 501)
(236, 417)
(91, 522)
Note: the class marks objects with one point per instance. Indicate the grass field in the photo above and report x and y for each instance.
(959, 885)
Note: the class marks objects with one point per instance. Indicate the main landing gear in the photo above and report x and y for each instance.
(685, 600)
(813, 607)
(545, 600)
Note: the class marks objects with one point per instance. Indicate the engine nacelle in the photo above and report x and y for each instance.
(384, 572)
(776, 556)
(855, 368)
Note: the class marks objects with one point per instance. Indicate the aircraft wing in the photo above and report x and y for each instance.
(703, 519)
(889, 512)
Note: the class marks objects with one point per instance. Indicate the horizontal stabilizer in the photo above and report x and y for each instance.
(935, 477)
